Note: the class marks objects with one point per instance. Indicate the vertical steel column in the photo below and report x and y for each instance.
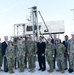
(35, 23)
(23, 29)
(14, 29)
(17, 30)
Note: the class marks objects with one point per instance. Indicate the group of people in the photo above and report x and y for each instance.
(18, 52)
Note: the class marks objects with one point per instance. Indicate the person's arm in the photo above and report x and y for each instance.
(68, 48)
(6, 53)
(43, 49)
(35, 48)
(24, 49)
(16, 51)
(2, 49)
(63, 48)
(53, 50)
(52, 41)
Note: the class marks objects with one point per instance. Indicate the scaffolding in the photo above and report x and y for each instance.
(19, 29)
(35, 28)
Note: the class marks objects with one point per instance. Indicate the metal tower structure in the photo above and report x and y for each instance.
(34, 21)
(19, 29)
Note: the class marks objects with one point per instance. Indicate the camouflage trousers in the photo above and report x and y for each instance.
(31, 61)
(10, 62)
(66, 58)
(21, 61)
(60, 62)
(0, 60)
(25, 61)
(50, 61)
(71, 60)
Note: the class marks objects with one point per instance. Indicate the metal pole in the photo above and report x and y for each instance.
(23, 29)
(45, 24)
(17, 30)
(33, 25)
(14, 29)
(37, 28)
(36, 23)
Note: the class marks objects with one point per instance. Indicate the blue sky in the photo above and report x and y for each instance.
(16, 11)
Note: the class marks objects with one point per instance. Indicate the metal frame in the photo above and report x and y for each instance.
(19, 29)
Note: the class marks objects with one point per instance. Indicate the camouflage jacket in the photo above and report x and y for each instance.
(20, 49)
(26, 44)
(15, 47)
(70, 46)
(31, 48)
(60, 50)
(10, 52)
(49, 49)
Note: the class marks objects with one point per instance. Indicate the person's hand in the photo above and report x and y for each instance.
(53, 56)
(68, 53)
(24, 55)
(34, 55)
(43, 54)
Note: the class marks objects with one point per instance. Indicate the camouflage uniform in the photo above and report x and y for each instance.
(50, 55)
(20, 55)
(60, 49)
(25, 60)
(10, 55)
(15, 47)
(71, 53)
(0, 57)
(31, 51)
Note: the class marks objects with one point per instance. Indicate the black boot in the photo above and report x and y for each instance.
(65, 69)
(70, 70)
(43, 69)
(39, 69)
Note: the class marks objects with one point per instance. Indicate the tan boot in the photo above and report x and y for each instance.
(62, 71)
(11, 70)
(51, 70)
(21, 70)
(59, 70)
(30, 70)
(33, 70)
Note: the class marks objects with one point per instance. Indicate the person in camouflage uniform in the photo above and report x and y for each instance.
(20, 54)
(50, 54)
(31, 53)
(60, 49)
(0, 56)
(15, 47)
(25, 42)
(71, 53)
(10, 55)
(66, 57)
